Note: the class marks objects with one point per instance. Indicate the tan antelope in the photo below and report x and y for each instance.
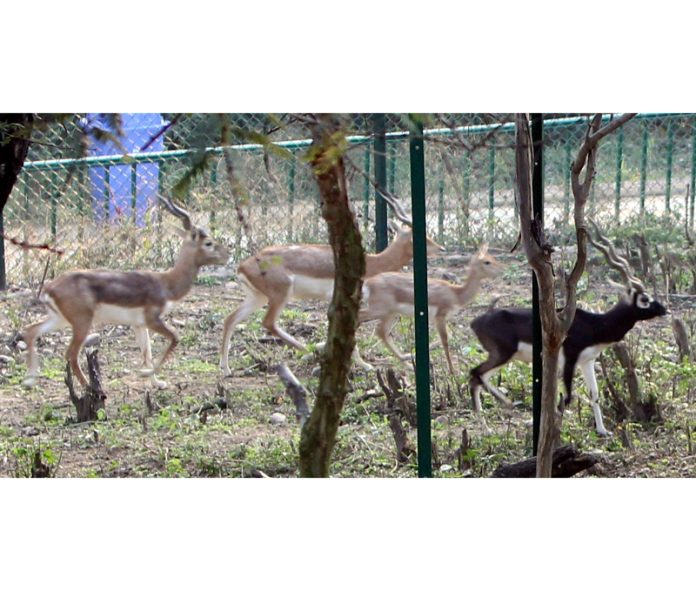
(277, 274)
(80, 299)
(390, 295)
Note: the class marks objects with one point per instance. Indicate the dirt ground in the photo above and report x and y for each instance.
(148, 432)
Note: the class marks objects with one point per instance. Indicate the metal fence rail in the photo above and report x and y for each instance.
(101, 209)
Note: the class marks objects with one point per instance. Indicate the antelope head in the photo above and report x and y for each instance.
(634, 293)
(198, 246)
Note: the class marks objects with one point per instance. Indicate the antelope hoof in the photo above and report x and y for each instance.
(146, 372)
(29, 381)
(604, 433)
(159, 384)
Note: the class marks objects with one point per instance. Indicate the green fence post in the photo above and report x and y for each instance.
(134, 192)
(54, 208)
(213, 209)
(643, 167)
(81, 209)
(3, 279)
(79, 183)
(420, 278)
(537, 337)
(366, 194)
(693, 169)
(380, 151)
(291, 197)
(491, 182)
(670, 156)
(466, 188)
(264, 197)
(25, 223)
(392, 165)
(619, 165)
(441, 211)
(107, 193)
(566, 182)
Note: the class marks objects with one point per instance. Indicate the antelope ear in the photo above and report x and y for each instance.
(484, 248)
(181, 233)
(198, 233)
(398, 229)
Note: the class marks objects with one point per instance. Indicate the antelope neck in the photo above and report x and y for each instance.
(391, 258)
(181, 276)
(467, 291)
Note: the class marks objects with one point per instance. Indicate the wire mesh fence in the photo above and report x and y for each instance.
(94, 196)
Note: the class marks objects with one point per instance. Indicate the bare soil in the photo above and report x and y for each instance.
(150, 432)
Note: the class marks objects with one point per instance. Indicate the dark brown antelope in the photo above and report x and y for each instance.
(506, 334)
(81, 299)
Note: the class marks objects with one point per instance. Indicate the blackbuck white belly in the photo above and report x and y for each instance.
(524, 353)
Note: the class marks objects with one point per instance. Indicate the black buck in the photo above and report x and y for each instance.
(506, 334)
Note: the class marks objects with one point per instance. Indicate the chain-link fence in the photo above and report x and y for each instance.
(93, 195)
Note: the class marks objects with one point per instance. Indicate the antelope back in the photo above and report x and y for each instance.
(405, 233)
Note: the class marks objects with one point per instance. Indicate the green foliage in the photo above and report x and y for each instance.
(200, 162)
(31, 459)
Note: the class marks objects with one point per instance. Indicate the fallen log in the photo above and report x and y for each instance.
(567, 462)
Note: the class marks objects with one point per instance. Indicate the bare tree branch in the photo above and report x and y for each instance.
(24, 245)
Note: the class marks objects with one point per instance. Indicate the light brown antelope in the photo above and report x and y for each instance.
(80, 299)
(390, 295)
(277, 274)
(506, 334)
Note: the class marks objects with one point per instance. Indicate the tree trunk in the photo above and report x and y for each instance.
(550, 428)
(555, 325)
(539, 256)
(15, 132)
(319, 432)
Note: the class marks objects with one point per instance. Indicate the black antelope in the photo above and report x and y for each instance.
(506, 334)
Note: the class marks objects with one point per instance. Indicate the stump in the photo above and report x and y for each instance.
(296, 391)
(92, 401)
(681, 337)
(399, 408)
(567, 462)
(643, 408)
